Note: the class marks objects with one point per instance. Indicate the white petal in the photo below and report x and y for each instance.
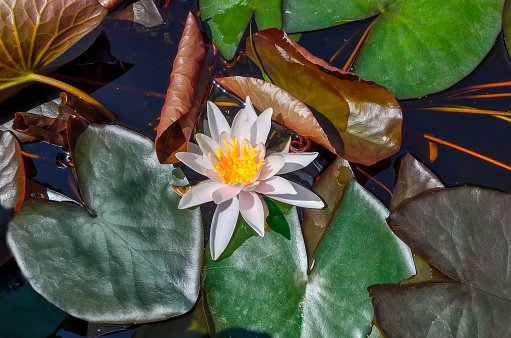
(210, 173)
(303, 198)
(250, 186)
(272, 164)
(251, 208)
(260, 150)
(216, 121)
(196, 162)
(222, 226)
(261, 127)
(251, 113)
(193, 148)
(206, 144)
(275, 186)
(225, 193)
(240, 127)
(199, 194)
(295, 161)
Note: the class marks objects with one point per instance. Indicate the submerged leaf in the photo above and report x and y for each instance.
(34, 33)
(130, 255)
(287, 300)
(226, 20)
(189, 80)
(365, 115)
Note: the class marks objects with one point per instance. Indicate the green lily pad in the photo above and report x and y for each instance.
(405, 50)
(263, 286)
(308, 15)
(129, 255)
(465, 232)
(35, 34)
(226, 20)
(20, 305)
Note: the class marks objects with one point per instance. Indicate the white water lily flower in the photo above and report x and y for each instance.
(234, 159)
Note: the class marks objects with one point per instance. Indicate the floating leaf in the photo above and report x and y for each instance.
(73, 105)
(36, 33)
(42, 128)
(226, 20)
(404, 50)
(413, 178)
(12, 173)
(288, 111)
(365, 115)
(465, 233)
(24, 312)
(440, 310)
(302, 16)
(188, 86)
(330, 187)
(262, 285)
(130, 255)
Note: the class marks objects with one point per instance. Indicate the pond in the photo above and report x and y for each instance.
(458, 133)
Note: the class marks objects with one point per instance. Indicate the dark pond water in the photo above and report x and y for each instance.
(133, 65)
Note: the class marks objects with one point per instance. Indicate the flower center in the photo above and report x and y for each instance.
(237, 165)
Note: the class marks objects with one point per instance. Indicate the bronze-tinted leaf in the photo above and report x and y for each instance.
(72, 104)
(288, 111)
(369, 119)
(34, 33)
(180, 98)
(42, 128)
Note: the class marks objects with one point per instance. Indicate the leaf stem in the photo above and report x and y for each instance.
(73, 90)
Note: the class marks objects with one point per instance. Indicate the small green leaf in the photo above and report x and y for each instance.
(129, 255)
(226, 20)
(263, 286)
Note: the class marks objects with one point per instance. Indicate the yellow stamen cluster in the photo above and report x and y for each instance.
(237, 165)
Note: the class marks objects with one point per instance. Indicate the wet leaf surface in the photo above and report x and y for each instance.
(36, 33)
(365, 115)
(225, 21)
(130, 255)
(262, 286)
